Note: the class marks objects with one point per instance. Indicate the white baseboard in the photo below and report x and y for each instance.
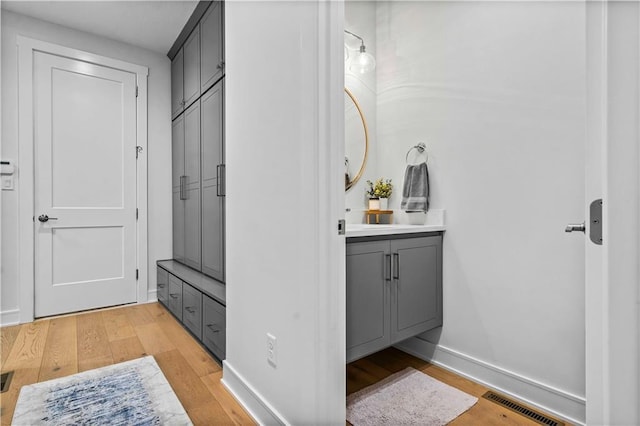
(152, 296)
(11, 317)
(557, 402)
(257, 407)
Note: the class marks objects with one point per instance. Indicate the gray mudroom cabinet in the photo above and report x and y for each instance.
(198, 168)
(394, 290)
(186, 187)
(191, 285)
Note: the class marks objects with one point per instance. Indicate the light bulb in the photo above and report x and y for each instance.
(363, 62)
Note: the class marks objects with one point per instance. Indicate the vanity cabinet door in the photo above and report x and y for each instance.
(368, 310)
(416, 293)
(177, 74)
(191, 78)
(175, 296)
(211, 54)
(212, 185)
(192, 216)
(178, 188)
(163, 286)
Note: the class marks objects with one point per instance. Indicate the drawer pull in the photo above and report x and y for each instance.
(160, 285)
(213, 327)
(173, 295)
(190, 309)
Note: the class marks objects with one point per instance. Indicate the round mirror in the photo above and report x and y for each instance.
(356, 140)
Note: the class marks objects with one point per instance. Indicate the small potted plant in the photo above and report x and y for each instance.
(379, 193)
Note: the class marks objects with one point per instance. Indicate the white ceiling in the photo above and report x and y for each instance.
(150, 24)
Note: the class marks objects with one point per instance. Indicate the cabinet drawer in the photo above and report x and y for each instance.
(192, 309)
(214, 326)
(175, 296)
(163, 286)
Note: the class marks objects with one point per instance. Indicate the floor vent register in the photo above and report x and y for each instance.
(522, 410)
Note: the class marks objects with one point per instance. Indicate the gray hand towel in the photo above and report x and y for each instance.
(415, 193)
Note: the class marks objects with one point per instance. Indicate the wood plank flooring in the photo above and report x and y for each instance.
(56, 347)
(376, 367)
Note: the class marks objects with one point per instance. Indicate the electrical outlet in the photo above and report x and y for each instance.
(272, 350)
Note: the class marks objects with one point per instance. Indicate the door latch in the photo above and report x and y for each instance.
(341, 227)
(595, 221)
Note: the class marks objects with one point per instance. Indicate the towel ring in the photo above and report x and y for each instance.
(421, 148)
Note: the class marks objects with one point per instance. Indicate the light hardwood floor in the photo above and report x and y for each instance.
(57, 347)
(376, 367)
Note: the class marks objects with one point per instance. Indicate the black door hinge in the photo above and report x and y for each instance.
(136, 213)
(136, 91)
(137, 274)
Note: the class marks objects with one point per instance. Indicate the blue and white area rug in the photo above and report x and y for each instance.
(130, 393)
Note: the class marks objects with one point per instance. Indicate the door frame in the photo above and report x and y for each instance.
(26, 171)
(612, 314)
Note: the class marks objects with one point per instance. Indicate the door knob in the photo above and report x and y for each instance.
(44, 218)
(574, 227)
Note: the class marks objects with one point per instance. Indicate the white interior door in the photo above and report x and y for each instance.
(85, 183)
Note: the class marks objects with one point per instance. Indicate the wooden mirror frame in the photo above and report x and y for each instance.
(358, 175)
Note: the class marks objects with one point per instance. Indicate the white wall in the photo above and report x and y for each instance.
(497, 92)
(159, 140)
(360, 18)
(284, 119)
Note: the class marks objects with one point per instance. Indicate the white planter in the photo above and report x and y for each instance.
(374, 204)
(384, 203)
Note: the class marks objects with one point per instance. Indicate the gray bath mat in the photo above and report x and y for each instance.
(407, 398)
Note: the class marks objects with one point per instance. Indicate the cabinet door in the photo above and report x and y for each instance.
(192, 216)
(368, 312)
(192, 309)
(214, 326)
(192, 67)
(177, 95)
(163, 286)
(175, 296)
(416, 295)
(211, 57)
(212, 169)
(177, 154)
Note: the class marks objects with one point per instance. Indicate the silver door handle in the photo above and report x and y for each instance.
(44, 218)
(218, 180)
(183, 187)
(575, 227)
(396, 258)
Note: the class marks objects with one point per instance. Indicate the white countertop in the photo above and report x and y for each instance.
(365, 230)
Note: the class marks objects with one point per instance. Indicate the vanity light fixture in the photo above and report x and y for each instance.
(363, 62)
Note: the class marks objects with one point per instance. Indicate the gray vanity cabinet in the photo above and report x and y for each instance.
(394, 291)
(186, 187)
(212, 149)
(211, 53)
